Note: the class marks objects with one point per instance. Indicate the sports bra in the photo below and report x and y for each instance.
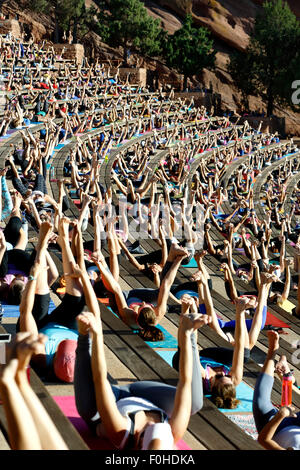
(128, 407)
(211, 364)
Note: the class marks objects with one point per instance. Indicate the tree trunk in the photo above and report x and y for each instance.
(75, 30)
(125, 56)
(270, 102)
(185, 82)
(56, 31)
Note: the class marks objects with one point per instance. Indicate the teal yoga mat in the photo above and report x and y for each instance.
(168, 342)
(244, 393)
(191, 264)
(166, 356)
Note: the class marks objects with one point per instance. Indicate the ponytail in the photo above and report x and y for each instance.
(147, 320)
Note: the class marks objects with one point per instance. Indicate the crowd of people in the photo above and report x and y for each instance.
(169, 183)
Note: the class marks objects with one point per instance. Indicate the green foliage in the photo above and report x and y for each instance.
(69, 14)
(271, 61)
(128, 24)
(70, 11)
(189, 50)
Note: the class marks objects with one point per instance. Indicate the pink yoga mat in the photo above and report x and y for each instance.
(68, 407)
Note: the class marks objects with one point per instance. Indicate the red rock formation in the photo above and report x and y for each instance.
(230, 22)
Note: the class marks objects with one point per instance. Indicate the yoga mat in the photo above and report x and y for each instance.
(68, 407)
(13, 310)
(244, 393)
(166, 356)
(240, 250)
(191, 264)
(169, 341)
(245, 422)
(274, 321)
(287, 306)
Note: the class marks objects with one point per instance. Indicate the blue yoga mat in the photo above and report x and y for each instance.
(166, 356)
(14, 312)
(244, 393)
(191, 264)
(59, 146)
(168, 342)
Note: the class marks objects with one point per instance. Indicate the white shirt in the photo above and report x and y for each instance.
(288, 437)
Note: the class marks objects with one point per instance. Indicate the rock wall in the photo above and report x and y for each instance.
(137, 76)
(10, 26)
(273, 124)
(71, 51)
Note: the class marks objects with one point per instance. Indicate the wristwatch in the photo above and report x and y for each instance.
(31, 278)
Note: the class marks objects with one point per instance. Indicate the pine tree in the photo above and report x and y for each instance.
(271, 61)
(68, 14)
(189, 50)
(128, 24)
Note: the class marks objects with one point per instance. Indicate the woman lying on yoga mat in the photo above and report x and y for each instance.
(15, 261)
(143, 415)
(277, 429)
(144, 308)
(29, 425)
(57, 355)
(221, 379)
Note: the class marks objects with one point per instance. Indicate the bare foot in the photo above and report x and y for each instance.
(45, 231)
(88, 322)
(63, 225)
(273, 338)
(191, 322)
(198, 276)
(177, 251)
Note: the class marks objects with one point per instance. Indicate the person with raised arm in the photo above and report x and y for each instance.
(277, 429)
(143, 415)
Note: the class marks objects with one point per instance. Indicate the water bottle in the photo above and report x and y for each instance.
(286, 391)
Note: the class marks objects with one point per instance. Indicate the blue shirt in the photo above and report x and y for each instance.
(56, 334)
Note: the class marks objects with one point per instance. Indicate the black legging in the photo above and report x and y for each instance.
(221, 355)
(39, 184)
(65, 314)
(12, 230)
